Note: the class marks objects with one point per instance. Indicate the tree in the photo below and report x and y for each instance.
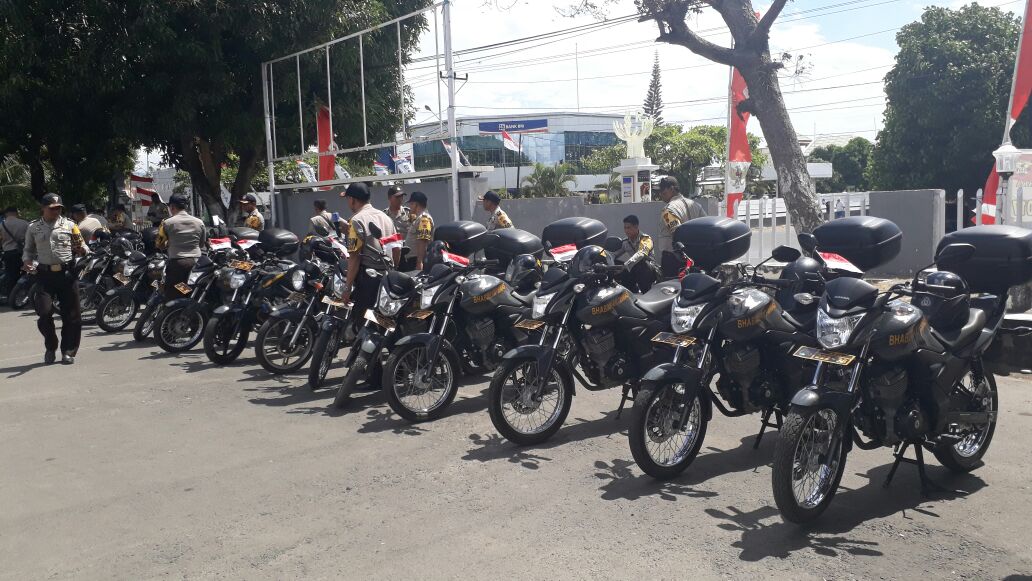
(15, 187)
(604, 159)
(849, 163)
(547, 181)
(683, 154)
(654, 99)
(950, 63)
(750, 54)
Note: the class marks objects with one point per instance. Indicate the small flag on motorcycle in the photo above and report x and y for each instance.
(563, 253)
(391, 242)
(450, 258)
(218, 243)
(838, 262)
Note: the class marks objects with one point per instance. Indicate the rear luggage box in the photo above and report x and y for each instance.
(510, 243)
(463, 237)
(712, 241)
(1002, 258)
(577, 230)
(865, 241)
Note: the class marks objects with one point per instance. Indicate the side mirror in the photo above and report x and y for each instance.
(785, 254)
(808, 242)
(613, 244)
(953, 254)
(375, 231)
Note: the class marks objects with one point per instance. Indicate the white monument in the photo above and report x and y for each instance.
(636, 170)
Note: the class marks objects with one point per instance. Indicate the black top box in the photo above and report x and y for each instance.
(278, 241)
(577, 230)
(1002, 258)
(511, 242)
(243, 233)
(463, 237)
(866, 241)
(713, 240)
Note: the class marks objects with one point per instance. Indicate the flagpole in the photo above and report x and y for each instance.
(727, 145)
(519, 164)
(1008, 123)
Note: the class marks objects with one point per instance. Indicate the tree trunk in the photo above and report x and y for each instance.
(245, 173)
(794, 183)
(37, 177)
(205, 175)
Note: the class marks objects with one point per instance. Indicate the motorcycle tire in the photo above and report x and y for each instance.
(400, 363)
(116, 312)
(653, 413)
(796, 431)
(268, 349)
(499, 395)
(966, 455)
(355, 373)
(145, 323)
(20, 297)
(89, 303)
(173, 342)
(325, 351)
(222, 350)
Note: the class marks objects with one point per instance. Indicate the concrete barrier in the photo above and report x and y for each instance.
(921, 215)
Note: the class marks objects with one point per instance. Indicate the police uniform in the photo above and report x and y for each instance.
(12, 242)
(358, 241)
(255, 220)
(677, 211)
(402, 220)
(422, 230)
(182, 236)
(54, 247)
(639, 266)
(322, 224)
(90, 226)
(498, 220)
(118, 222)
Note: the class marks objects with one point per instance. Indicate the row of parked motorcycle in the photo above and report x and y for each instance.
(830, 360)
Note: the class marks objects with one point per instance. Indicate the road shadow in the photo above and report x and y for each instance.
(384, 420)
(130, 344)
(490, 447)
(765, 535)
(291, 393)
(260, 374)
(359, 401)
(622, 484)
(20, 370)
(206, 364)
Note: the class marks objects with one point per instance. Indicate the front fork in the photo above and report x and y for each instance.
(301, 324)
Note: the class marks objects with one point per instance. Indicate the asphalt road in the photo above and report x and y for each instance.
(135, 464)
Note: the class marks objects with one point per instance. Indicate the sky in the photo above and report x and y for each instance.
(847, 45)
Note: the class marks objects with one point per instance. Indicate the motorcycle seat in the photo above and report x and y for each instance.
(961, 336)
(658, 299)
(526, 299)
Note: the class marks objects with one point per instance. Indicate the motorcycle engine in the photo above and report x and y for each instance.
(745, 386)
(886, 418)
(481, 331)
(600, 345)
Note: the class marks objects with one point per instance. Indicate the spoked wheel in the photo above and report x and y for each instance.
(417, 389)
(179, 329)
(979, 391)
(808, 463)
(273, 348)
(525, 408)
(145, 323)
(358, 371)
(325, 351)
(225, 339)
(21, 296)
(89, 302)
(667, 430)
(116, 312)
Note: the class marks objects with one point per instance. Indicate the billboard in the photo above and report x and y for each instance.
(522, 126)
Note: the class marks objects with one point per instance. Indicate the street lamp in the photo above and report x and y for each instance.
(1006, 163)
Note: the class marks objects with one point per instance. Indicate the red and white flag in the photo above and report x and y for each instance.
(145, 196)
(1021, 89)
(456, 259)
(563, 253)
(739, 156)
(338, 246)
(218, 243)
(245, 244)
(509, 142)
(391, 242)
(838, 262)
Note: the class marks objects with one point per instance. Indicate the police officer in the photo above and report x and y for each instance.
(88, 225)
(363, 249)
(12, 241)
(678, 210)
(499, 219)
(119, 221)
(54, 241)
(98, 215)
(398, 211)
(322, 222)
(422, 230)
(182, 236)
(640, 270)
(249, 210)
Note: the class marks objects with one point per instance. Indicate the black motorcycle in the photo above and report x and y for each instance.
(137, 282)
(96, 273)
(331, 336)
(733, 330)
(23, 293)
(892, 373)
(179, 323)
(286, 339)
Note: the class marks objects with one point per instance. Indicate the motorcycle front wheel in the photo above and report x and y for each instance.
(325, 351)
(808, 463)
(225, 339)
(145, 323)
(89, 302)
(417, 389)
(966, 455)
(667, 430)
(359, 369)
(20, 297)
(116, 312)
(179, 329)
(521, 411)
(273, 349)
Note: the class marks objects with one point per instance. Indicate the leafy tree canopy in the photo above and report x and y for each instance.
(547, 181)
(849, 163)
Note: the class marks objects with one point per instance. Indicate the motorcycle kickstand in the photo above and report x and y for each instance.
(766, 423)
(928, 486)
(623, 400)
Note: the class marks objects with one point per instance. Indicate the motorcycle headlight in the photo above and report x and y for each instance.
(541, 303)
(156, 270)
(426, 297)
(832, 332)
(338, 285)
(682, 319)
(194, 276)
(129, 269)
(744, 300)
(236, 280)
(388, 305)
(297, 280)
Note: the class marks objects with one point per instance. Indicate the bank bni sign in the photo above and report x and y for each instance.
(524, 126)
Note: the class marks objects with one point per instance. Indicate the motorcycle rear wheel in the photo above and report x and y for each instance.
(89, 303)
(225, 339)
(177, 330)
(513, 409)
(966, 455)
(270, 343)
(116, 312)
(20, 297)
(661, 447)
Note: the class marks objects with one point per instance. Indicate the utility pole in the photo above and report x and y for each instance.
(576, 68)
(449, 67)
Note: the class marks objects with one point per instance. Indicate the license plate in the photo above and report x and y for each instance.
(814, 354)
(420, 315)
(373, 316)
(338, 304)
(675, 340)
(296, 297)
(121, 278)
(155, 285)
(529, 324)
(183, 288)
(243, 265)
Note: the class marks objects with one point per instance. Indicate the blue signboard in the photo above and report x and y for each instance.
(522, 126)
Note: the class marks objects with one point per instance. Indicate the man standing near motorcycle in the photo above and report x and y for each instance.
(678, 210)
(54, 241)
(322, 221)
(12, 240)
(422, 230)
(363, 249)
(182, 236)
(249, 211)
(88, 226)
(499, 219)
(636, 253)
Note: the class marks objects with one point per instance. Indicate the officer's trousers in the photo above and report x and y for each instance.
(64, 287)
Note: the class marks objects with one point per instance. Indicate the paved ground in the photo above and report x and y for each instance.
(134, 464)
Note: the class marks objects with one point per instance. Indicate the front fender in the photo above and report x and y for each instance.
(288, 312)
(669, 373)
(545, 358)
(180, 303)
(122, 290)
(812, 398)
(434, 345)
(227, 311)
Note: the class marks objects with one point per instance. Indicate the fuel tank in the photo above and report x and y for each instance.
(750, 313)
(901, 331)
(484, 293)
(605, 305)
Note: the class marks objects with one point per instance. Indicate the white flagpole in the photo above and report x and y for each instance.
(1009, 122)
